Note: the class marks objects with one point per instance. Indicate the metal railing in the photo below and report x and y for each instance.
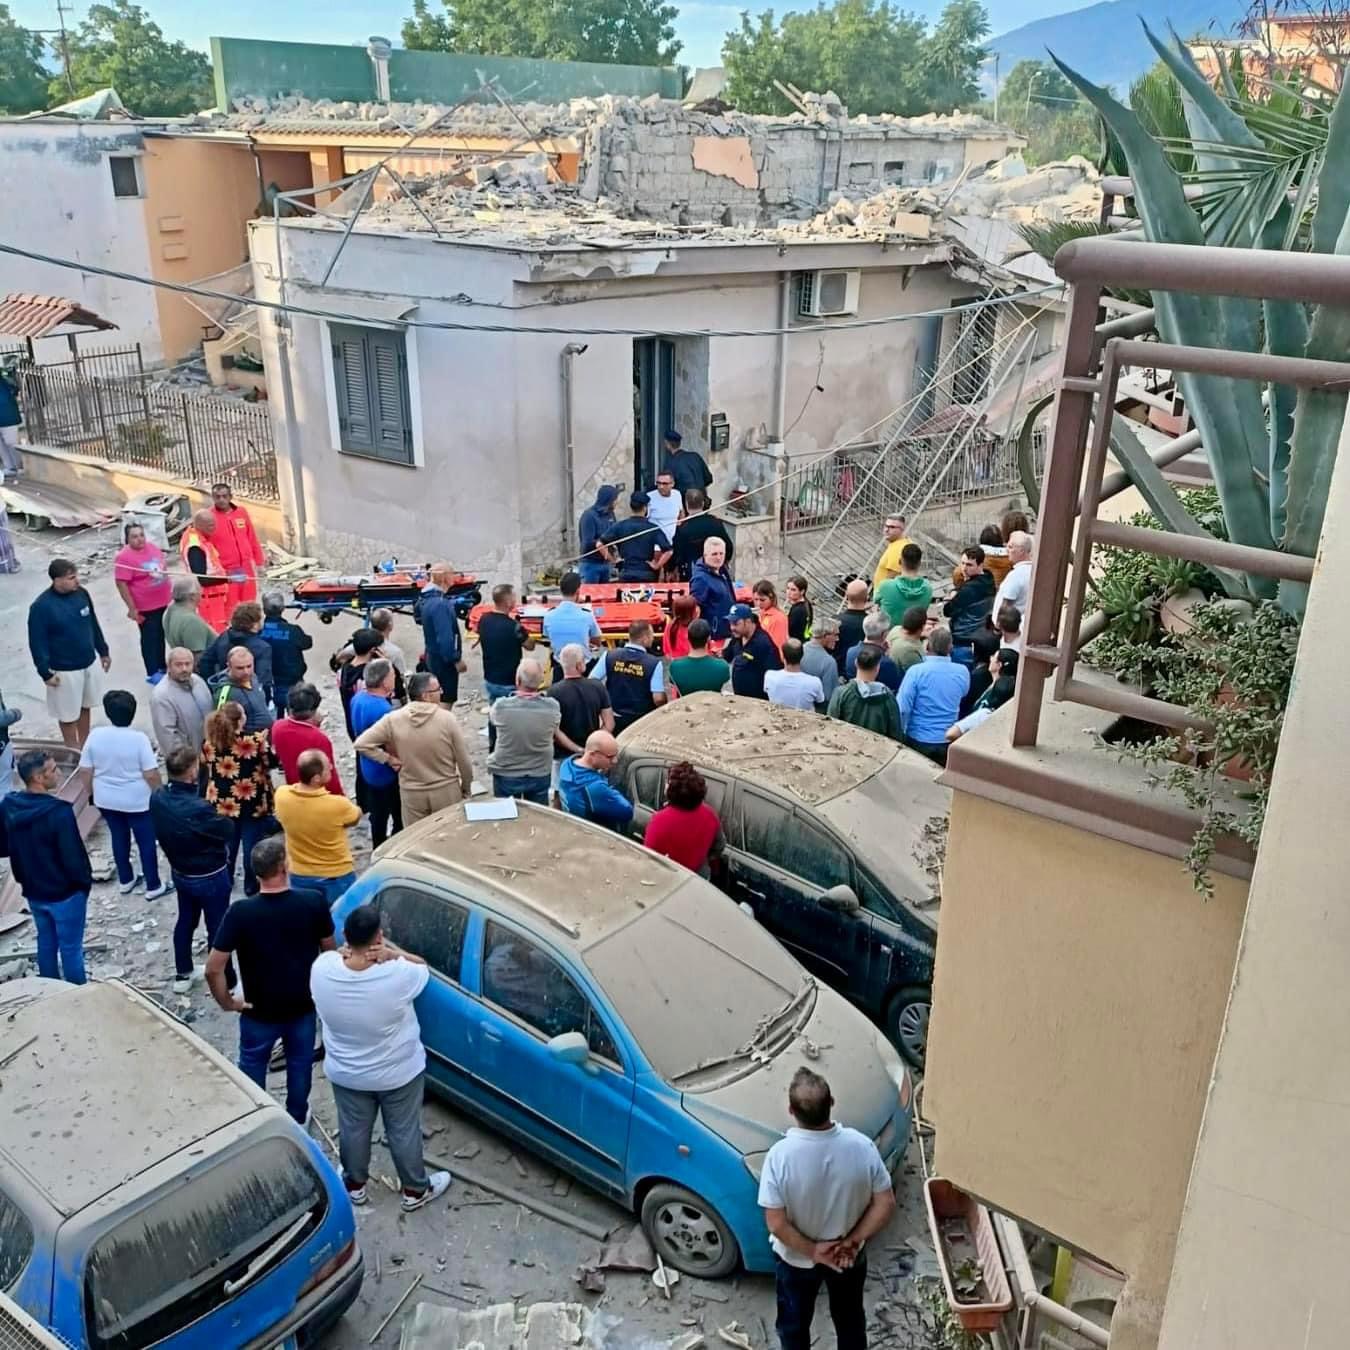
(104, 403)
(1076, 482)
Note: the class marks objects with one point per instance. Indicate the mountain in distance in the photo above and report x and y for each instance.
(1105, 41)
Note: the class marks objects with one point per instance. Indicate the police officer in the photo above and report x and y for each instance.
(640, 547)
(633, 676)
(751, 653)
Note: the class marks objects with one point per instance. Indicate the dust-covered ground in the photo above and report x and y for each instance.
(473, 1248)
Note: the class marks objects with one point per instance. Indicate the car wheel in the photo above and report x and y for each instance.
(907, 1022)
(688, 1232)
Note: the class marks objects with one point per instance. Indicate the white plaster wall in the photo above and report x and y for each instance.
(57, 195)
(489, 492)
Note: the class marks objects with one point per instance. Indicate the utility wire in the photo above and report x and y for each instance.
(451, 325)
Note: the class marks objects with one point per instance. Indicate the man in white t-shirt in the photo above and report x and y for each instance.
(373, 1055)
(824, 1191)
(663, 505)
(792, 687)
(119, 763)
(1016, 587)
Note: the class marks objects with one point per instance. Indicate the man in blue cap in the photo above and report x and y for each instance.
(687, 467)
(751, 653)
(595, 520)
(640, 548)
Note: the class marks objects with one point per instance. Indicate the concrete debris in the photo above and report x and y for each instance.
(503, 1326)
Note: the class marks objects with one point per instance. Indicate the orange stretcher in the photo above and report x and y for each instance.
(662, 593)
(396, 590)
(612, 618)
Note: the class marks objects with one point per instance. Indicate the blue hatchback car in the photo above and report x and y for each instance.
(150, 1195)
(622, 1018)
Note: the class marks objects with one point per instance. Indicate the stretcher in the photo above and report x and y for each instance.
(662, 593)
(383, 589)
(613, 618)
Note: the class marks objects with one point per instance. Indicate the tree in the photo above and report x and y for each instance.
(23, 81)
(119, 46)
(631, 32)
(1038, 101)
(868, 52)
(954, 52)
(1031, 82)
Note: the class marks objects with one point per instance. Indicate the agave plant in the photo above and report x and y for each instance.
(1272, 469)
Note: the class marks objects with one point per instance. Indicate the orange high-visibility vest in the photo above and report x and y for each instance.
(213, 601)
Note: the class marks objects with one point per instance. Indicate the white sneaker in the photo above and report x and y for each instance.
(164, 888)
(358, 1196)
(439, 1184)
(183, 984)
(127, 887)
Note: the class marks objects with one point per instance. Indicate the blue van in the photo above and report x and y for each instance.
(150, 1194)
(622, 1018)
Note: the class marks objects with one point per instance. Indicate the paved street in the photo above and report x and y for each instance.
(476, 1247)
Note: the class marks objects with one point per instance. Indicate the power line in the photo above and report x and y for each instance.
(451, 325)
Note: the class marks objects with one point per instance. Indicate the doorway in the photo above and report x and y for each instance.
(653, 404)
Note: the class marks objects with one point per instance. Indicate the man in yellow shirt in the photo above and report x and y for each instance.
(889, 566)
(316, 823)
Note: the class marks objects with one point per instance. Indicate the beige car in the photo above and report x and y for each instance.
(828, 833)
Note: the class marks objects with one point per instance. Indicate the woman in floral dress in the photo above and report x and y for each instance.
(237, 780)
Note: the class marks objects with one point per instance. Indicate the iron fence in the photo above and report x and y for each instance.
(852, 480)
(103, 402)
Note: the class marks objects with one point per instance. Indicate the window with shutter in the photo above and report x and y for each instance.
(370, 375)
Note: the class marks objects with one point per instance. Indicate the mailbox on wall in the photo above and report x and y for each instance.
(719, 432)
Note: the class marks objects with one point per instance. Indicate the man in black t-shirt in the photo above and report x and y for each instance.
(751, 653)
(275, 937)
(503, 640)
(584, 703)
(640, 548)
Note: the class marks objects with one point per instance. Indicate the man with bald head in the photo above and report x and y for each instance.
(435, 611)
(316, 824)
(179, 705)
(1016, 586)
(583, 784)
(235, 684)
(201, 557)
(851, 619)
(521, 759)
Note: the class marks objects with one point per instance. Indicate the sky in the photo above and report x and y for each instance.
(701, 25)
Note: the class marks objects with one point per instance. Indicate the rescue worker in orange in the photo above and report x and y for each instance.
(237, 544)
(200, 556)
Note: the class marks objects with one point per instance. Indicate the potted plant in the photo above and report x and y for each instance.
(968, 1256)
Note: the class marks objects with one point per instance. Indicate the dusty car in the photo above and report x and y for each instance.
(615, 1014)
(150, 1194)
(828, 831)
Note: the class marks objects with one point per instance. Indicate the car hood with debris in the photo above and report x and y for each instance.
(837, 1042)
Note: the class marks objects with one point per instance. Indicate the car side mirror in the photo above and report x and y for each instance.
(841, 898)
(571, 1048)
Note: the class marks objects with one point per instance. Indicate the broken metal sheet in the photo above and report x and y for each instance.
(61, 509)
(727, 157)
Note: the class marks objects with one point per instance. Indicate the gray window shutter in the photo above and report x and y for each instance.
(390, 411)
(353, 388)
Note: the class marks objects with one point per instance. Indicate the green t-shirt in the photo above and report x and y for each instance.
(900, 593)
(699, 674)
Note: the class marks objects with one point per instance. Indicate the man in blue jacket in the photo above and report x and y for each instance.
(10, 421)
(595, 520)
(711, 585)
(39, 836)
(435, 611)
(584, 786)
(68, 649)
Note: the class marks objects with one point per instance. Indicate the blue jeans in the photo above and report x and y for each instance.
(256, 1039)
(200, 897)
(332, 888)
(494, 692)
(964, 652)
(280, 693)
(528, 788)
(247, 832)
(797, 1289)
(60, 932)
(592, 573)
(121, 826)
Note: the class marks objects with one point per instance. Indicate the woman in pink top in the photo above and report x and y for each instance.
(144, 584)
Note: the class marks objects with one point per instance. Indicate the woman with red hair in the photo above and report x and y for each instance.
(686, 828)
(675, 642)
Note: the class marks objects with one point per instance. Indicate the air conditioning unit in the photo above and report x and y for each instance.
(821, 294)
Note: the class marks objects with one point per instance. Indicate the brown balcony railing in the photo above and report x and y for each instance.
(1076, 481)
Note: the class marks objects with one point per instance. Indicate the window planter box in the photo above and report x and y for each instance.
(962, 1232)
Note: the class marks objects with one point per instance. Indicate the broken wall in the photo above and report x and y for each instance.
(662, 161)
